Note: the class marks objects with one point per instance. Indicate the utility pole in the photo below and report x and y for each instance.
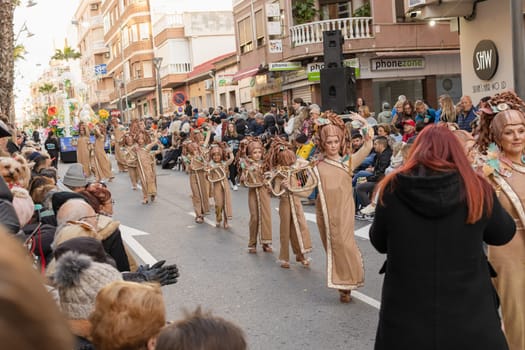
(157, 61)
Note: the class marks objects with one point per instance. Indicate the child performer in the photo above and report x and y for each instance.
(251, 154)
(217, 175)
(286, 168)
(196, 167)
(130, 157)
(146, 166)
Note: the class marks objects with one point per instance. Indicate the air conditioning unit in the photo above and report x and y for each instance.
(208, 84)
(93, 7)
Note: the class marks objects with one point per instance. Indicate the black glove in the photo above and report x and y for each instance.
(159, 273)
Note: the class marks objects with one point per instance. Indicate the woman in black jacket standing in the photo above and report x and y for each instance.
(431, 220)
(52, 146)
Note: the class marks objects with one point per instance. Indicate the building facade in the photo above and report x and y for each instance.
(281, 51)
(95, 54)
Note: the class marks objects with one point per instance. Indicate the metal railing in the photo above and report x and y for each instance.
(175, 68)
(351, 28)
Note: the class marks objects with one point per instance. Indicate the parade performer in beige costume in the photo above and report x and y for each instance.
(505, 168)
(335, 204)
(289, 180)
(251, 153)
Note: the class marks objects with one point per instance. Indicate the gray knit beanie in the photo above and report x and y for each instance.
(74, 176)
(78, 280)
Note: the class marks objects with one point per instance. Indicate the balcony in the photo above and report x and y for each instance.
(312, 33)
(168, 22)
(175, 68)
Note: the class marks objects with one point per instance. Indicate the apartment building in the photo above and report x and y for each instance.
(95, 54)
(280, 48)
(130, 68)
(193, 45)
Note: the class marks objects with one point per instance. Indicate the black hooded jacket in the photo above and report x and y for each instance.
(437, 292)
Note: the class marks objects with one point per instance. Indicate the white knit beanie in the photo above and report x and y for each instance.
(78, 280)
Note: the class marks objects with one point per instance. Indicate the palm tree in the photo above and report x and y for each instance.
(7, 9)
(47, 89)
(66, 54)
(19, 52)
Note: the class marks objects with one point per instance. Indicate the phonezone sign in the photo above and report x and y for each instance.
(396, 63)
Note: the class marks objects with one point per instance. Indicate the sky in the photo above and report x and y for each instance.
(50, 22)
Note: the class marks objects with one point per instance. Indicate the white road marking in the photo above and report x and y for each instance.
(363, 233)
(128, 234)
(366, 299)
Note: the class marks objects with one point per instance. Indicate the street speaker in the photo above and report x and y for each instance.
(333, 48)
(338, 89)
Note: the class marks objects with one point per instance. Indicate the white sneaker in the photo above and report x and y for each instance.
(368, 210)
(235, 188)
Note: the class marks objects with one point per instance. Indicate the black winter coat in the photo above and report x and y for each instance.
(437, 292)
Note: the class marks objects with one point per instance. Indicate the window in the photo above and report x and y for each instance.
(400, 11)
(331, 9)
(245, 35)
(138, 73)
(144, 31)
(107, 23)
(209, 102)
(125, 37)
(259, 28)
(134, 35)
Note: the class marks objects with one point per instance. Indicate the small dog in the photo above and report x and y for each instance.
(15, 171)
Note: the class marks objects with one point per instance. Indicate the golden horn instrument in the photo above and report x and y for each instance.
(215, 174)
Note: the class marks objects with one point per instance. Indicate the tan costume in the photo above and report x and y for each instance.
(509, 260)
(101, 162)
(146, 169)
(221, 189)
(293, 228)
(83, 154)
(118, 133)
(199, 184)
(335, 209)
(258, 203)
(131, 163)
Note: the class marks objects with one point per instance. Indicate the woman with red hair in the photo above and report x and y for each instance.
(433, 216)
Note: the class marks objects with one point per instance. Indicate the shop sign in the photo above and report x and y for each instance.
(275, 46)
(284, 66)
(224, 79)
(396, 63)
(485, 59)
(313, 70)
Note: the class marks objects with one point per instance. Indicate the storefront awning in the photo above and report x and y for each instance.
(250, 72)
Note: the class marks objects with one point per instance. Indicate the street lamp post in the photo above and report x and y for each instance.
(118, 84)
(97, 92)
(157, 61)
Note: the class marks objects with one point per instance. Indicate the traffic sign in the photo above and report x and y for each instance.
(101, 69)
(179, 98)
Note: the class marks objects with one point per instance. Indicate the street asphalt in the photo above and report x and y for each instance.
(277, 308)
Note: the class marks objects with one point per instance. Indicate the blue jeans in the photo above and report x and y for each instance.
(360, 173)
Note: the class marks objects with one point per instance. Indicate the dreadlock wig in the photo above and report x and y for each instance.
(279, 154)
